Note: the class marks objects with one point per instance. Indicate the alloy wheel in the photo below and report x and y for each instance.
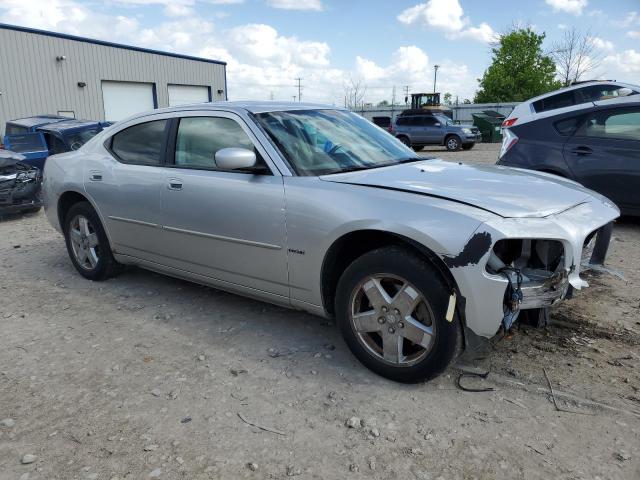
(392, 320)
(84, 242)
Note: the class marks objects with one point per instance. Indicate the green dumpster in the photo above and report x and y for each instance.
(489, 123)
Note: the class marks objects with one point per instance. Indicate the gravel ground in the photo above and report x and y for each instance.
(145, 376)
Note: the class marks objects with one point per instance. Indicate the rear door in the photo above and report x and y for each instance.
(604, 155)
(125, 184)
(432, 130)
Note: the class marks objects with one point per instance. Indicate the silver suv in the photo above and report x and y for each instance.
(416, 131)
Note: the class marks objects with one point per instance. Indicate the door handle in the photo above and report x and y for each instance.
(582, 151)
(96, 176)
(174, 184)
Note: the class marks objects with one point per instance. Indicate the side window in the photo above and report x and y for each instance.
(568, 126)
(603, 92)
(621, 125)
(402, 121)
(140, 144)
(199, 138)
(553, 102)
(429, 121)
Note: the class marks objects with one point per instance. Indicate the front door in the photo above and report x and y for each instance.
(604, 155)
(224, 225)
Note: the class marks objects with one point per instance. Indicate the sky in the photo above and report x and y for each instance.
(330, 44)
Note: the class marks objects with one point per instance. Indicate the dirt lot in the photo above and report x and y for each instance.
(145, 376)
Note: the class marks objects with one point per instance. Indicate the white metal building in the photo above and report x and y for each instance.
(51, 73)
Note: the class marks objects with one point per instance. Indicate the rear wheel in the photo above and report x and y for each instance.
(87, 243)
(391, 307)
(453, 143)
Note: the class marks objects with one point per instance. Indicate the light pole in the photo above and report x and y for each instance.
(435, 76)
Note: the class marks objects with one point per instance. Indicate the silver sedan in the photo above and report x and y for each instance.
(317, 209)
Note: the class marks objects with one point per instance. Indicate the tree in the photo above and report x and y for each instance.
(383, 103)
(447, 98)
(519, 69)
(575, 55)
(354, 94)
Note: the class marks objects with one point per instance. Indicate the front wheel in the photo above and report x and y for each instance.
(391, 307)
(453, 143)
(405, 140)
(87, 243)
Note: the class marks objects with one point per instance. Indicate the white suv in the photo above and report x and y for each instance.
(565, 99)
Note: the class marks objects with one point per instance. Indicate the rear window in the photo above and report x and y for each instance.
(561, 100)
(15, 129)
(24, 143)
(141, 144)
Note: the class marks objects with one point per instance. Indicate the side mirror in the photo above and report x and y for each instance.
(235, 158)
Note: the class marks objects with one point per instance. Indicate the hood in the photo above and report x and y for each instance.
(504, 191)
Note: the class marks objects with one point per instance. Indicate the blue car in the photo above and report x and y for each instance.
(36, 141)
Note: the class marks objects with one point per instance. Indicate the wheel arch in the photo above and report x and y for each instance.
(449, 135)
(71, 197)
(345, 249)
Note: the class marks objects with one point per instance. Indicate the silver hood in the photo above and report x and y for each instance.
(504, 191)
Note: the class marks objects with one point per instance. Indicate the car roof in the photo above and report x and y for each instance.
(247, 106)
(579, 86)
(69, 124)
(36, 120)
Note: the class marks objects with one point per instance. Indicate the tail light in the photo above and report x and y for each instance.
(509, 139)
(509, 122)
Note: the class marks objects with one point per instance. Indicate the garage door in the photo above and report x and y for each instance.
(122, 99)
(184, 94)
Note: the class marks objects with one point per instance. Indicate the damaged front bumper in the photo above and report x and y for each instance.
(497, 291)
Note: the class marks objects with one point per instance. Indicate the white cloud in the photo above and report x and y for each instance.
(601, 43)
(634, 34)
(626, 62)
(481, 33)
(262, 44)
(448, 17)
(441, 14)
(573, 7)
(177, 10)
(296, 4)
(410, 66)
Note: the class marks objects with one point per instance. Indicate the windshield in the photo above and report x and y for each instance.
(76, 139)
(320, 142)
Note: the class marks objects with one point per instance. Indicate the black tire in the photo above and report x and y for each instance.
(106, 266)
(468, 146)
(453, 143)
(397, 261)
(405, 140)
(417, 148)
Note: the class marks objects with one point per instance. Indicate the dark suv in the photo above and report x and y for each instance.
(416, 131)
